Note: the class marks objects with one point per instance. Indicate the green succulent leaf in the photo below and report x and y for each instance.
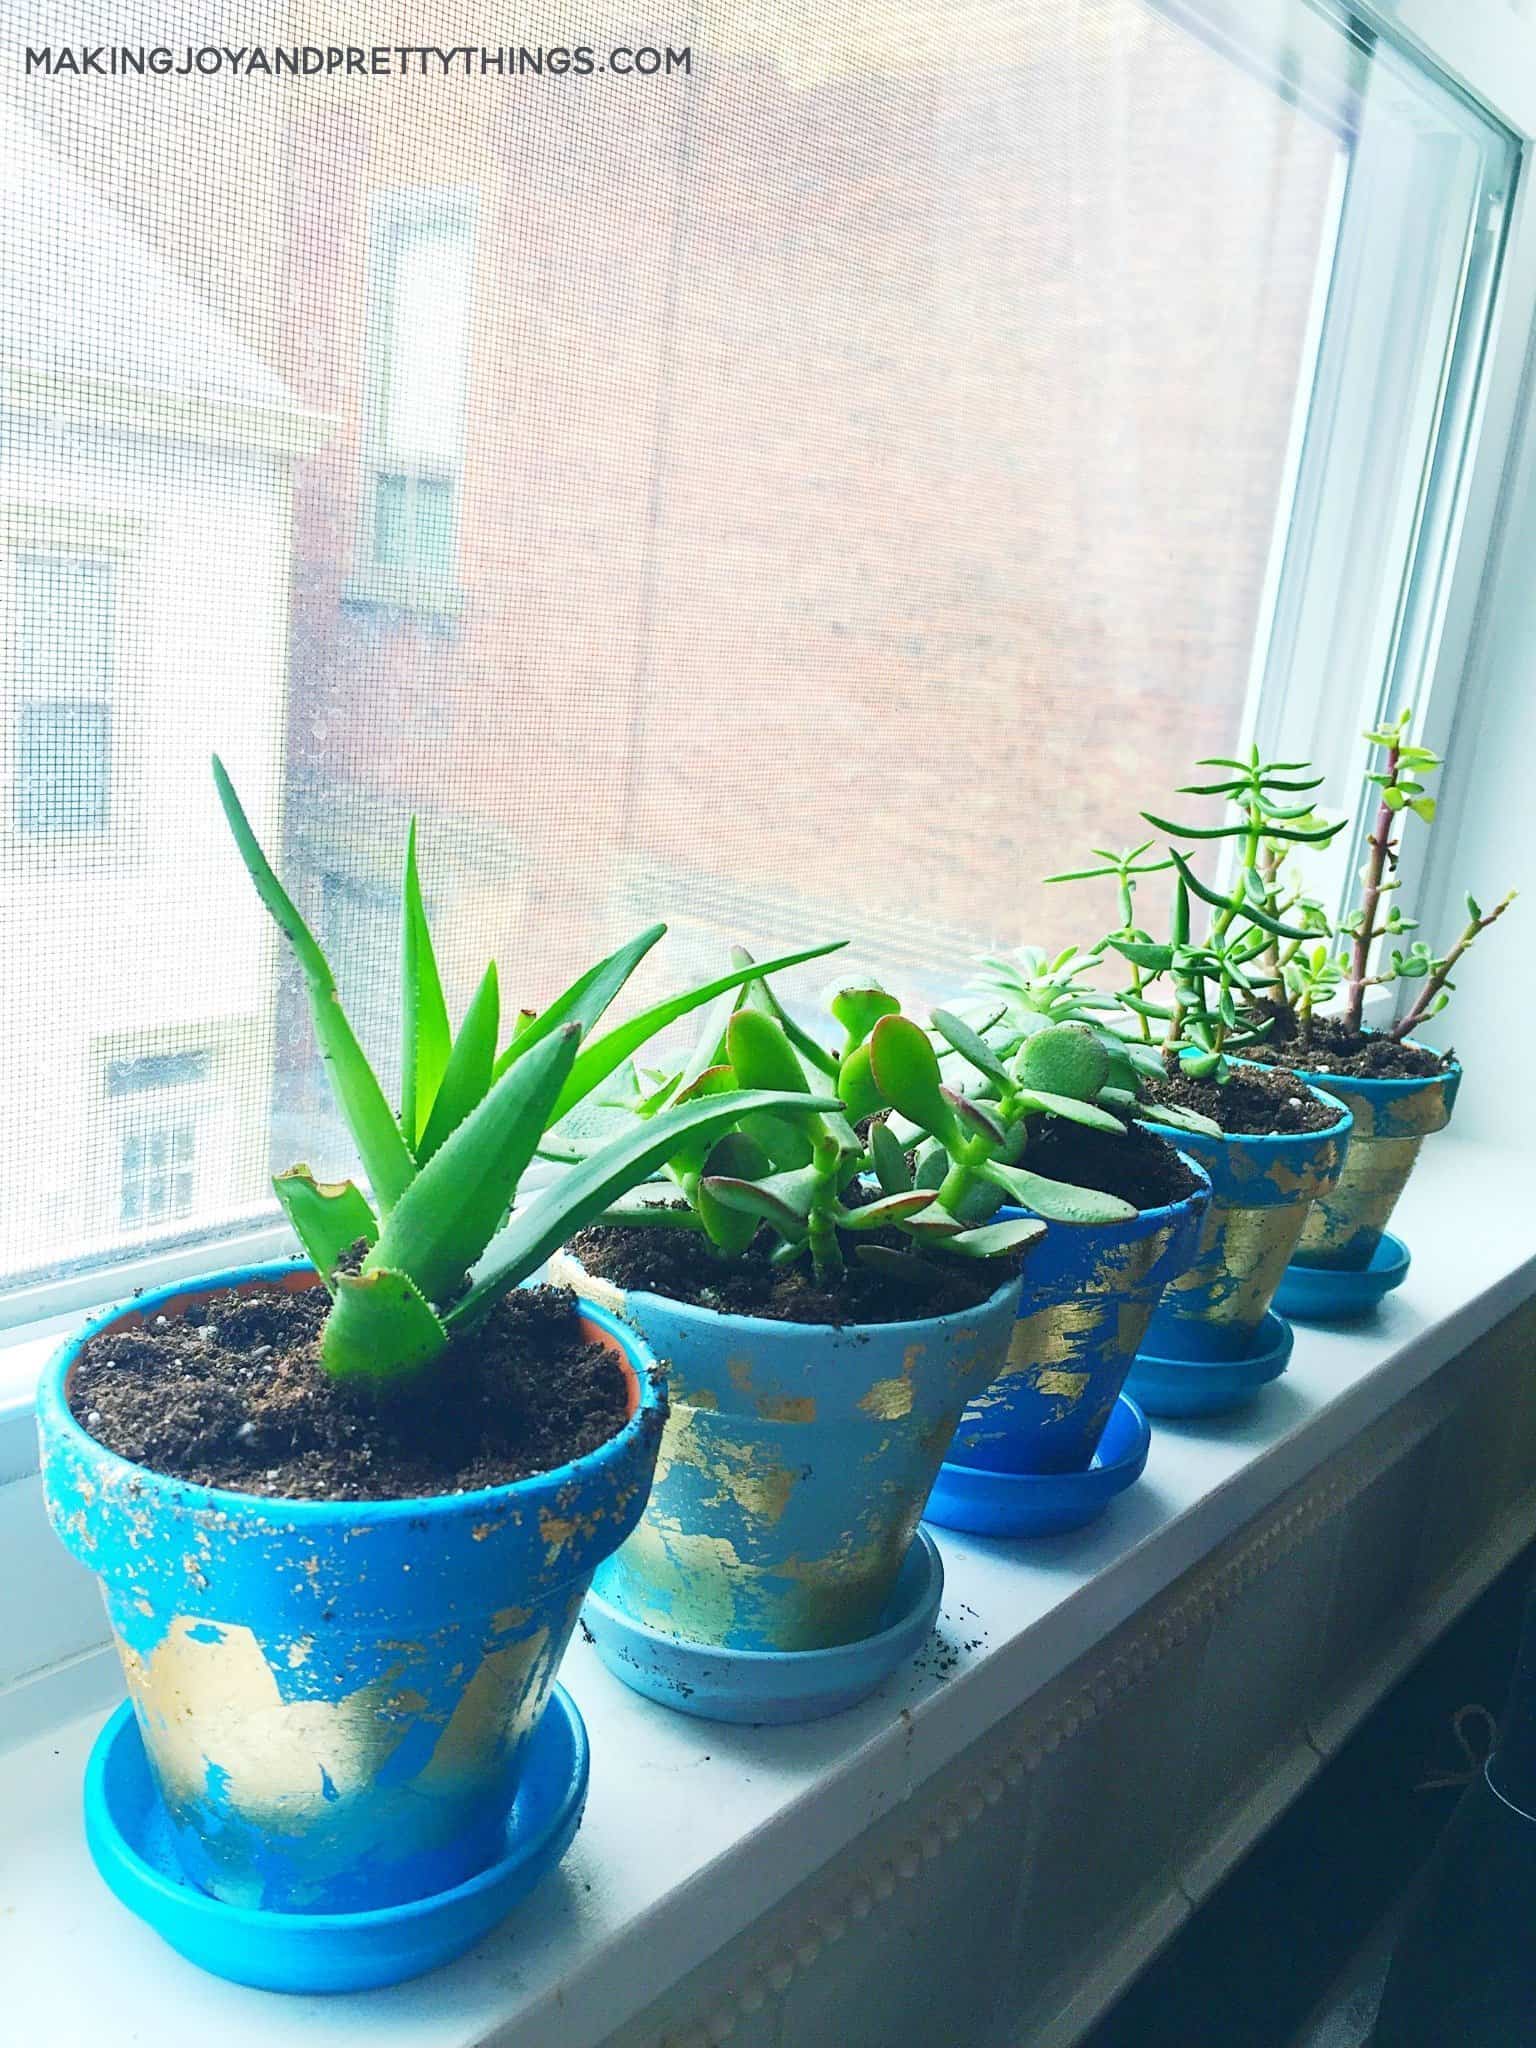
(857, 1087)
(328, 1217)
(760, 995)
(458, 1201)
(889, 1158)
(467, 1076)
(906, 1071)
(425, 1034)
(599, 1056)
(971, 1046)
(783, 1199)
(587, 1190)
(1056, 1200)
(859, 1010)
(997, 1240)
(584, 1002)
(387, 1159)
(379, 1329)
(888, 1210)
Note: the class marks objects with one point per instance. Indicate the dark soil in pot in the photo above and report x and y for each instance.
(1333, 1049)
(233, 1394)
(1139, 1167)
(680, 1265)
(1251, 1102)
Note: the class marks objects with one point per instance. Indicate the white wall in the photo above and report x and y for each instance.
(1485, 837)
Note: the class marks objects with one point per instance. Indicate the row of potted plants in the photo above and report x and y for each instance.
(345, 1511)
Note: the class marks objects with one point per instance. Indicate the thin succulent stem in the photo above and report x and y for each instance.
(1379, 858)
(1437, 980)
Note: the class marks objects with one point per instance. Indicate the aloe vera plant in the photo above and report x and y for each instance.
(901, 1150)
(441, 1245)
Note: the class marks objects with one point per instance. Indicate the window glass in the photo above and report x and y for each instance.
(815, 489)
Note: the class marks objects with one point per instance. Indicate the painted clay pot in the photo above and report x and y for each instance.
(1089, 1290)
(1392, 1120)
(335, 1697)
(795, 1466)
(1262, 1189)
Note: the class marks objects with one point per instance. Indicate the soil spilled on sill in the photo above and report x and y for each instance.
(233, 1395)
(1139, 1167)
(1251, 1102)
(679, 1264)
(1331, 1048)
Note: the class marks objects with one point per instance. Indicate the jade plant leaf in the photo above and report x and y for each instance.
(906, 1071)
(971, 1046)
(996, 1240)
(1055, 1201)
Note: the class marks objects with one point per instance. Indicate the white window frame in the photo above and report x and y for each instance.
(1489, 55)
(405, 587)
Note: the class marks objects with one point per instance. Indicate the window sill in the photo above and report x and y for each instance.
(693, 1831)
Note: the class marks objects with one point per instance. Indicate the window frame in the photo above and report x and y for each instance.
(1493, 62)
(375, 583)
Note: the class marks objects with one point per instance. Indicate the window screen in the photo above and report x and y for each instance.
(813, 485)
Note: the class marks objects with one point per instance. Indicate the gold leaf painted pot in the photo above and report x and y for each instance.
(1392, 1118)
(795, 1466)
(1262, 1190)
(335, 1696)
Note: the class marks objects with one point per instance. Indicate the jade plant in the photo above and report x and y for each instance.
(414, 1265)
(903, 1166)
(1198, 998)
(1371, 956)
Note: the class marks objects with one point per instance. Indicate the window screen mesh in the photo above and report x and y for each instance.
(815, 493)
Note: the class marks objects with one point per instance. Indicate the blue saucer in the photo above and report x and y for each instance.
(1212, 1386)
(1325, 1294)
(771, 1687)
(130, 1843)
(1044, 1503)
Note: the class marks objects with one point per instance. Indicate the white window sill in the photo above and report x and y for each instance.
(694, 1830)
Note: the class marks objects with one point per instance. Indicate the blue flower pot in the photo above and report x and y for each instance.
(1391, 1121)
(335, 1697)
(795, 1466)
(1088, 1292)
(1262, 1189)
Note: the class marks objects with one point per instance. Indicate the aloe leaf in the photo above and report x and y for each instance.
(598, 1058)
(655, 1206)
(425, 1036)
(588, 1189)
(457, 1202)
(971, 1046)
(996, 1240)
(467, 1076)
(1054, 1199)
(889, 1158)
(906, 1071)
(584, 1002)
(386, 1157)
(379, 1329)
(328, 1217)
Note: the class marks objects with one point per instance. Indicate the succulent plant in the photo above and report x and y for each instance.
(440, 1243)
(1401, 779)
(901, 1151)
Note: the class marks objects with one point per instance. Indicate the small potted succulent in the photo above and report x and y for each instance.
(1091, 1285)
(829, 1292)
(1279, 1143)
(344, 1511)
(1397, 1090)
